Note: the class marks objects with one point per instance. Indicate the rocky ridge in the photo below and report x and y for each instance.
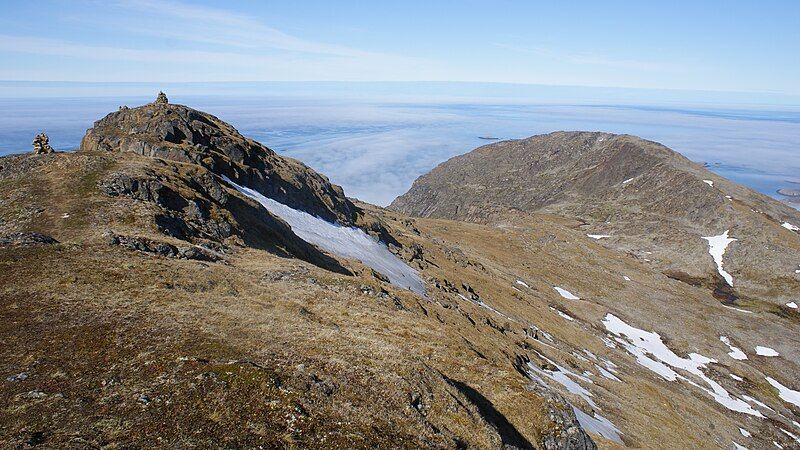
(630, 194)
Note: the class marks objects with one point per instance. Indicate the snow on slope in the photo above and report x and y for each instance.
(786, 394)
(790, 227)
(736, 352)
(566, 294)
(644, 344)
(343, 241)
(716, 247)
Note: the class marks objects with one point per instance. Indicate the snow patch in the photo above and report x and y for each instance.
(626, 278)
(736, 377)
(736, 352)
(792, 305)
(641, 344)
(522, 283)
(756, 402)
(598, 424)
(738, 309)
(608, 342)
(709, 182)
(607, 374)
(487, 307)
(716, 247)
(786, 394)
(765, 351)
(564, 377)
(627, 181)
(562, 314)
(566, 294)
(565, 315)
(790, 227)
(599, 236)
(739, 447)
(343, 241)
(744, 432)
(791, 435)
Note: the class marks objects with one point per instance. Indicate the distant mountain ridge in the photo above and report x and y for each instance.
(647, 199)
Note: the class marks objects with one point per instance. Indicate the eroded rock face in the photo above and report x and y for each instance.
(179, 133)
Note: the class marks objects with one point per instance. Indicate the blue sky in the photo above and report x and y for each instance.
(711, 45)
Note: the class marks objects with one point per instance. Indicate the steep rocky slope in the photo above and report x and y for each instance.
(633, 195)
(148, 303)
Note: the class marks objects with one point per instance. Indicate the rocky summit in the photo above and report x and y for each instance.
(174, 284)
(182, 134)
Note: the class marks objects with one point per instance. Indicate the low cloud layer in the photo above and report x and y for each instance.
(376, 150)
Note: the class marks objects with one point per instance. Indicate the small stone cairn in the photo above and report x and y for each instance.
(41, 144)
(161, 99)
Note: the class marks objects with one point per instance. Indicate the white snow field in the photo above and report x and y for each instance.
(347, 242)
(716, 247)
(644, 344)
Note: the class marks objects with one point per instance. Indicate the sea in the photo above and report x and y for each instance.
(376, 147)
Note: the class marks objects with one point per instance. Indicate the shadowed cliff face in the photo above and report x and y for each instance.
(180, 133)
(633, 195)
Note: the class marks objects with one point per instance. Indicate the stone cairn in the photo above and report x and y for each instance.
(41, 144)
(161, 99)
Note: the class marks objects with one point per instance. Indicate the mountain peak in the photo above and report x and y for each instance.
(183, 134)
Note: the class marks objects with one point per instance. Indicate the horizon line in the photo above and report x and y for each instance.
(505, 83)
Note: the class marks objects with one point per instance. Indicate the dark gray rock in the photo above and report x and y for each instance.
(26, 239)
(121, 184)
(164, 249)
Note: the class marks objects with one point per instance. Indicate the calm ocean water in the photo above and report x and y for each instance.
(376, 149)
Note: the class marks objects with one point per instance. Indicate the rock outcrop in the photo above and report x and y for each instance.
(22, 239)
(179, 133)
